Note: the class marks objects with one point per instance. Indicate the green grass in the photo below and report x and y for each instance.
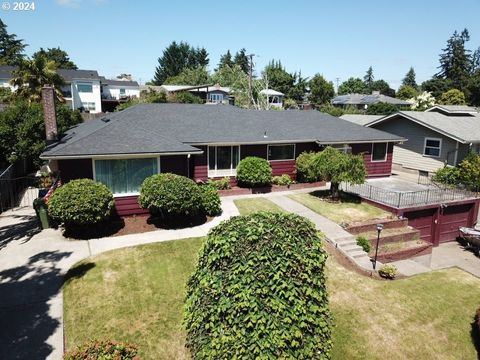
(342, 211)
(247, 206)
(136, 294)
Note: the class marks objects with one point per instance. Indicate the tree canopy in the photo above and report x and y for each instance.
(406, 92)
(176, 58)
(321, 90)
(225, 60)
(452, 97)
(352, 86)
(369, 78)
(190, 76)
(59, 56)
(410, 79)
(278, 78)
(11, 48)
(381, 108)
(241, 59)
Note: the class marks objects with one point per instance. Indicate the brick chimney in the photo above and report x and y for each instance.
(49, 115)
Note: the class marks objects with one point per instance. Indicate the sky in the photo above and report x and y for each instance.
(338, 39)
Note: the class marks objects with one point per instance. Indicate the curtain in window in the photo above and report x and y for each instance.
(124, 176)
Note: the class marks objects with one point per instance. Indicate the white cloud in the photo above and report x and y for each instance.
(69, 3)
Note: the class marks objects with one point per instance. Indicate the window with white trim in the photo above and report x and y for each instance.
(88, 106)
(85, 87)
(223, 160)
(281, 152)
(379, 151)
(125, 176)
(215, 98)
(432, 147)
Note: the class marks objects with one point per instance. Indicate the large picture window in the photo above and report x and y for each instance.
(223, 160)
(124, 176)
(84, 87)
(281, 152)
(379, 152)
(215, 98)
(432, 147)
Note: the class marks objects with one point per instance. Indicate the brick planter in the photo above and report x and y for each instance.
(264, 190)
(422, 249)
(371, 225)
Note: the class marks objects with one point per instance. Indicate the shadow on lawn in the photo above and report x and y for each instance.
(27, 294)
(475, 332)
(177, 222)
(343, 196)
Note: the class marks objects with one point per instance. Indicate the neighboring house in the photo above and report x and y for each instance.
(442, 135)
(360, 119)
(201, 142)
(362, 101)
(275, 98)
(210, 94)
(85, 89)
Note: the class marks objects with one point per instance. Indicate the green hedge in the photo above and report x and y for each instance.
(212, 205)
(81, 202)
(258, 291)
(171, 195)
(254, 172)
(305, 168)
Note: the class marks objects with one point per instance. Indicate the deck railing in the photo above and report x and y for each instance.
(404, 199)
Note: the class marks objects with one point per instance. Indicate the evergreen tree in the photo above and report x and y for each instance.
(278, 78)
(225, 60)
(11, 48)
(456, 60)
(199, 58)
(57, 55)
(299, 88)
(322, 91)
(409, 79)
(369, 78)
(241, 59)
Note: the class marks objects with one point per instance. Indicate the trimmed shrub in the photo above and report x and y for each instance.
(447, 175)
(388, 271)
(81, 202)
(305, 169)
(259, 291)
(364, 243)
(221, 184)
(103, 350)
(171, 195)
(282, 180)
(254, 172)
(477, 319)
(212, 205)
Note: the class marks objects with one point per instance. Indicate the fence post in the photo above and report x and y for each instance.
(428, 193)
(399, 199)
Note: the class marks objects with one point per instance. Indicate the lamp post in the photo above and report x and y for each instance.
(379, 230)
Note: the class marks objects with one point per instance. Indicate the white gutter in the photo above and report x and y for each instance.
(112, 156)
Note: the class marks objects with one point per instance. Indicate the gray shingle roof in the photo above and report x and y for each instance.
(70, 75)
(454, 109)
(360, 119)
(362, 99)
(161, 128)
(119, 82)
(465, 129)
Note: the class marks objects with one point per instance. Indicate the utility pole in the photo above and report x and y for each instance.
(250, 75)
(337, 80)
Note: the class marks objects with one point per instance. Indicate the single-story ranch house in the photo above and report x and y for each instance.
(442, 135)
(201, 142)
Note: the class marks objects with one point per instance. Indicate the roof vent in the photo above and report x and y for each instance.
(265, 135)
(105, 120)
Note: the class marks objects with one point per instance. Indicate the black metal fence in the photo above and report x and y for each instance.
(16, 191)
(403, 199)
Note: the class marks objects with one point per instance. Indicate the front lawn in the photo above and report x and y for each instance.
(346, 210)
(247, 206)
(136, 294)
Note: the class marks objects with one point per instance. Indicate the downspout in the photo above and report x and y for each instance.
(456, 154)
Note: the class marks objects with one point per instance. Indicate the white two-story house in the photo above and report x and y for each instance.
(82, 89)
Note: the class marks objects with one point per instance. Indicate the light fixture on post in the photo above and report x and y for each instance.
(379, 230)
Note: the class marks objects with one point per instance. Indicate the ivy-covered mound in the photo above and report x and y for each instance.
(259, 291)
(81, 202)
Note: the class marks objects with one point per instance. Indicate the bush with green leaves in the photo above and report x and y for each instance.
(469, 171)
(388, 271)
(305, 169)
(254, 172)
(212, 205)
(259, 291)
(283, 180)
(81, 202)
(220, 184)
(171, 195)
(103, 350)
(364, 243)
(447, 175)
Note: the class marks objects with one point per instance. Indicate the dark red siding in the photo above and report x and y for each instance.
(423, 221)
(176, 164)
(280, 167)
(75, 169)
(128, 205)
(451, 218)
(199, 169)
(375, 168)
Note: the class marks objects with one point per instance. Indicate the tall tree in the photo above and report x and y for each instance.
(190, 76)
(452, 97)
(225, 60)
(456, 60)
(383, 87)
(352, 86)
(299, 88)
(321, 90)
(369, 78)
(11, 48)
(437, 86)
(406, 92)
(177, 57)
(58, 55)
(241, 59)
(278, 78)
(32, 75)
(409, 79)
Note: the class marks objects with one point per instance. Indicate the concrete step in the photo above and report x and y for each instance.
(351, 247)
(356, 253)
(346, 240)
(371, 225)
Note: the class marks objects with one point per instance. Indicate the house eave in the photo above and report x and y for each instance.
(117, 155)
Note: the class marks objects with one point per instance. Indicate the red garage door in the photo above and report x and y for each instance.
(422, 220)
(451, 218)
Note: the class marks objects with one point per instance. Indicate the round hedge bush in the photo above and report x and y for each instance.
(259, 291)
(254, 172)
(81, 202)
(103, 349)
(305, 168)
(171, 195)
(212, 205)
